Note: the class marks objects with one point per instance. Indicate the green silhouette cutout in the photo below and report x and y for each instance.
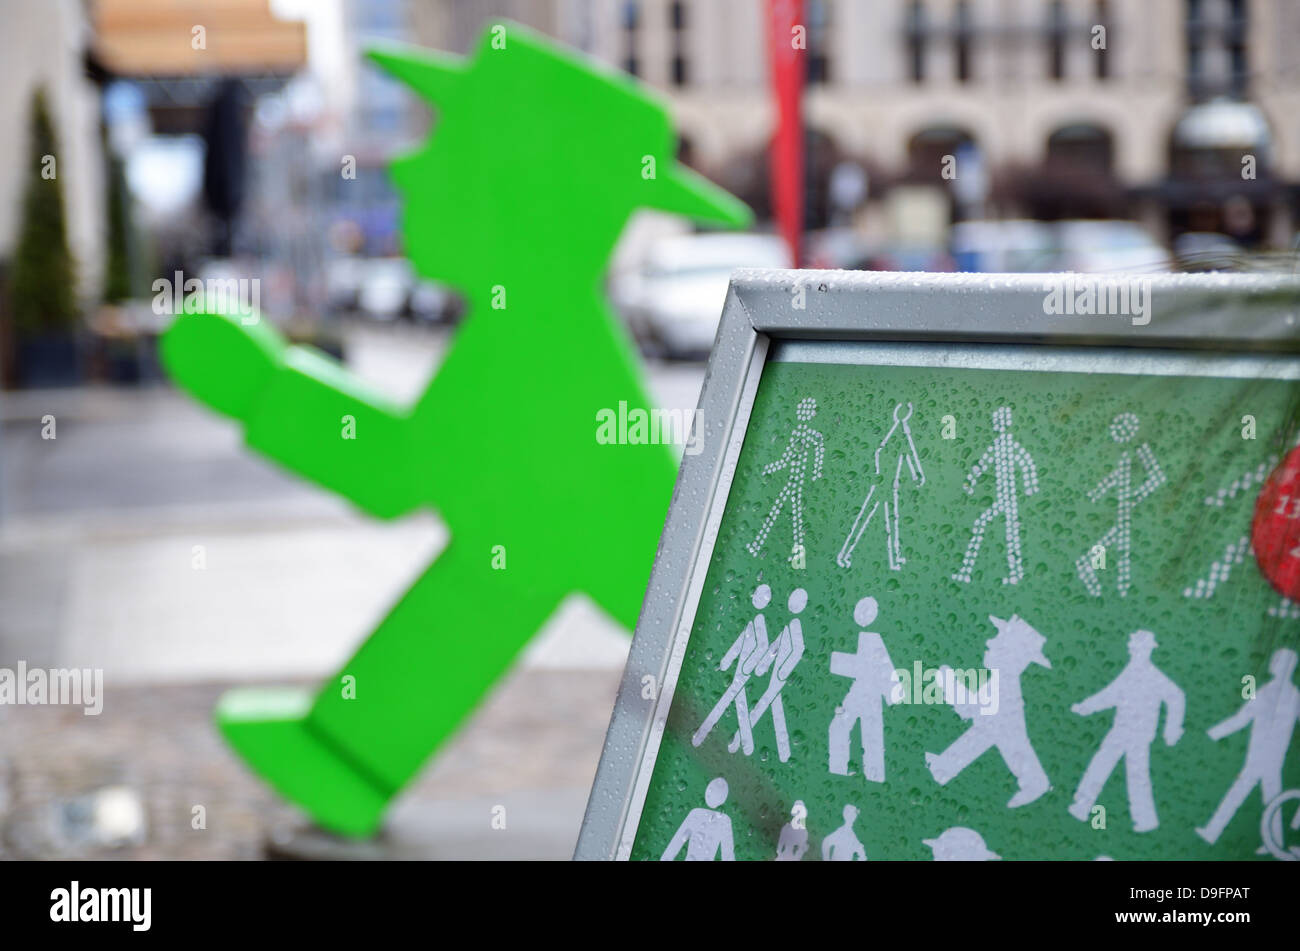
(536, 162)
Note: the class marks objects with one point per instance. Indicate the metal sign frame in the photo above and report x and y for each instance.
(1253, 317)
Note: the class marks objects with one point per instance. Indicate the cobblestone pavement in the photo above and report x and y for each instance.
(536, 742)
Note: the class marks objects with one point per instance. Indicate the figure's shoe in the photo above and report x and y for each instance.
(1204, 833)
(1080, 811)
(931, 762)
(269, 729)
(1146, 826)
(1027, 795)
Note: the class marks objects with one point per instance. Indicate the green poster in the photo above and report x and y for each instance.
(962, 613)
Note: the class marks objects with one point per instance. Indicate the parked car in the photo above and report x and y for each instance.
(1093, 247)
(1206, 251)
(1004, 246)
(673, 300)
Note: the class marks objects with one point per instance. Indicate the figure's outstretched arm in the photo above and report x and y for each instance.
(1103, 699)
(298, 407)
(1234, 723)
(1028, 470)
(977, 470)
(780, 463)
(679, 840)
(1104, 486)
(1176, 706)
(1155, 475)
(819, 454)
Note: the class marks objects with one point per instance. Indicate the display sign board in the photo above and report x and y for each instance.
(975, 568)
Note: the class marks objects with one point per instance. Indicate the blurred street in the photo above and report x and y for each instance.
(97, 569)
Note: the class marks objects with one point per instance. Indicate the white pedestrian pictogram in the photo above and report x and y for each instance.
(1136, 695)
(960, 844)
(793, 841)
(745, 652)
(874, 680)
(1236, 550)
(1005, 456)
(781, 657)
(1120, 481)
(1010, 652)
(706, 833)
(843, 844)
(804, 441)
(906, 453)
(1272, 715)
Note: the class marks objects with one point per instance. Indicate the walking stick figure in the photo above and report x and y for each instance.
(893, 528)
(843, 845)
(1005, 455)
(480, 202)
(1122, 429)
(792, 844)
(1236, 550)
(745, 652)
(1137, 695)
(706, 833)
(803, 440)
(873, 684)
(1272, 715)
(1009, 653)
(781, 656)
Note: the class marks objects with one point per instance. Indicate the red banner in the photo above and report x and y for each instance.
(787, 42)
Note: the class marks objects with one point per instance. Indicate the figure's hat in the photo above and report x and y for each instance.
(960, 844)
(1017, 637)
(517, 70)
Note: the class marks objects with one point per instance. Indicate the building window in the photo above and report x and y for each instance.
(819, 66)
(678, 71)
(1218, 57)
(631, 25)
(1103, 55)
(1056, 30)
(962, 41)
(915, 37)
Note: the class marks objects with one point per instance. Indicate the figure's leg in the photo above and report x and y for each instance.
(743, 719)
(845, 557)
(757, 710)
(1018, 753)
(778, 727)
(1015, 568)
(1124, 541)
(1141, 799)
(1083, 566)
(976, 539)
(345, 753)
(773, 514)
(1240, 789)
(719, 708)
(796, 520)
(872, 734)
(964, 750)
(841, 729)
(1094, 777)
(1270, 786)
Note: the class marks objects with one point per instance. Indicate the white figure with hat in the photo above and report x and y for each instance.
(1008, 654)
(745, 652)
(1136, 695)
(1272, 715)
(960, 844)
(706, 833)
(874, 680)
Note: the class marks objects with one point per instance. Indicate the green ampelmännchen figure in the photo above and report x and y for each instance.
(536, 161)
